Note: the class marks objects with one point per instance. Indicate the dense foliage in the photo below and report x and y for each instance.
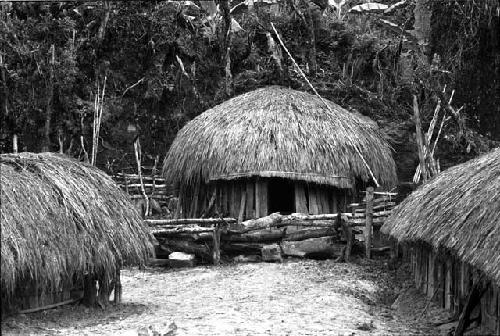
(164, 62)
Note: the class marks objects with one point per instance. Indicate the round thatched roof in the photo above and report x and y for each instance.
(279, 132)
(60, 217)
(459, 210)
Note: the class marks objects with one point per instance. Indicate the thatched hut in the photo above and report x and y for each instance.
(451, 226)
(61, 220)
(275, 150)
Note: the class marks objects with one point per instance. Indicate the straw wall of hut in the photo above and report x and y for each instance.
(61, 220)
(451, 229)
(275, 150)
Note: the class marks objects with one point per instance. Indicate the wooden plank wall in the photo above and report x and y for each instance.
(309, 198)
(250, 202)
(261, 202)
(300, 198)
(447, 281)
(314, 204)
(230, 194)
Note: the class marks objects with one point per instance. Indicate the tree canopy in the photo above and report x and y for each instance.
(164, 62)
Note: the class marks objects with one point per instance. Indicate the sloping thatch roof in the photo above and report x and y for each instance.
(60, 217)
(459, 210)
(279, 132)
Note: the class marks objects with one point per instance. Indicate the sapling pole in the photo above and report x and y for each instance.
(369, 221)
(137, 151)
(98, 107)
(153, 174)
(420, 144)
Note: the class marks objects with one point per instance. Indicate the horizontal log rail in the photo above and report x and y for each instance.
(184, 221)
(138, 185)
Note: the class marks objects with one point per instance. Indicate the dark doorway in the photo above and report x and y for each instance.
(281, 195)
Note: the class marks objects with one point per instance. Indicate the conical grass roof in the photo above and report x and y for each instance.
(61, 218)
(459, 211)
(279, 132)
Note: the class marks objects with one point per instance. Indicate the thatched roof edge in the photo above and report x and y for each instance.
(338, 181)
(279, 130)
(60, 218)
(459, 211)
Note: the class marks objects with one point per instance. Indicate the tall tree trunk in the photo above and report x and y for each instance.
(308, 22)
(49, 107)
(102, 28)
(226, 59)
(5, 106)
(422, 26)
(312, 41)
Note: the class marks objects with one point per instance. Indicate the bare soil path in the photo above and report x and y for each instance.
(296, 297)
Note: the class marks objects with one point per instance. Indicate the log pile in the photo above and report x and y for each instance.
(299, 235)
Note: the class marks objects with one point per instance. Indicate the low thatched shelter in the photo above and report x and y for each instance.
(451, 226)
(61, 220)
(275, 150)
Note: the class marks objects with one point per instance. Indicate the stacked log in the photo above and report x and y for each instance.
(317, 236)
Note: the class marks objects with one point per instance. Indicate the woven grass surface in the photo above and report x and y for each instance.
(61, 217)
(279, 132)
(458, 210)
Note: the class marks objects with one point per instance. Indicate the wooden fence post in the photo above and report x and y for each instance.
(369, 222)
(118, 288)
(216, 250)
(14, 143)
(448, 287)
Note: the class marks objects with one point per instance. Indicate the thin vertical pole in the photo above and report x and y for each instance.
(369, 222)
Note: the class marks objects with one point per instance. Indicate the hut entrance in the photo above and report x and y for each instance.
(281, 195)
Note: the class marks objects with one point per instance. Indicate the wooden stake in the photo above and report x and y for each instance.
(137, 151)
(448, 293)
(473, 299)
(118, 288)
(14, 143)
(369, 221)
(242, 204)
(216, 250)
(349, 237)
(431, 281)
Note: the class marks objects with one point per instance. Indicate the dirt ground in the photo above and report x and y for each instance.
(296, 297)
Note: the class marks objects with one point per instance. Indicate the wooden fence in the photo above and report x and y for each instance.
(151, 184)
(297, 234)
(366, 218)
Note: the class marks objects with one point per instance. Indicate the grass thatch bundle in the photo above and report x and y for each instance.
(279, 132)
(459, 211)
(62, 218)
